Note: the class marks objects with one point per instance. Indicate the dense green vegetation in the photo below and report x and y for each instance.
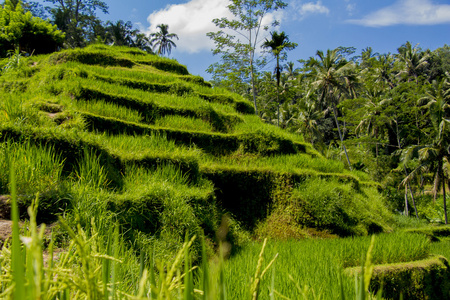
(383, 114)
(130, 156)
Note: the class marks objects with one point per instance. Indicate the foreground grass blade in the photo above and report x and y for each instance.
(16, 251)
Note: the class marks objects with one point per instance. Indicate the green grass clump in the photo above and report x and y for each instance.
(317, 265)
(105, 109)
(39, 170)
(184, 123)
(142, 155)
(336, 206)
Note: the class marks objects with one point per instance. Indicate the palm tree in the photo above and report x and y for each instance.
(383, 69)
(333, 78)
(121, 33)
(278, 43)
(143, 42)
(373, 120)
(413, 59)
(291, 71)
(162, 40)
(435, 156)
(309, 119)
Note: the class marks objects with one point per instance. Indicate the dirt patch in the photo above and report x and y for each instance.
(5, 207)
(5, 230)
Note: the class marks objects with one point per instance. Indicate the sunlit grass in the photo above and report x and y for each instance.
(38, 168)
(178, 122)
(318, 264)
(139, 146)
(105, 109)
(253, 123)
(280, 163)
(155, 200)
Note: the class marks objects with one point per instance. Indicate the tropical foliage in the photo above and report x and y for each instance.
(368, 109)
(239, 60)
(22, 31)
(162, 40)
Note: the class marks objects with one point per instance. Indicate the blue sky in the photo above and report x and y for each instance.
(314, 25)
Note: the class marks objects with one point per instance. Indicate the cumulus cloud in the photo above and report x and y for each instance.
(407, 12)
(313, 8)
(350, 7)
(190, 21)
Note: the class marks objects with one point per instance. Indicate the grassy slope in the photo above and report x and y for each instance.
(135, 138)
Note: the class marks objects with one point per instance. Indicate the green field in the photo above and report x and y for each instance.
(130, 158)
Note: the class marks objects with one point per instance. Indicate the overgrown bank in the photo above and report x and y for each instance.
(109, 135)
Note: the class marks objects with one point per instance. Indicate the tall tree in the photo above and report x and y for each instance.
(291, 71)
(121, 33)
(162, 40)
(278, 43)
(239, 37)
(332, 78)
(413, 61)
(21, 31)
(142, 42)
(434, 156)
(309, 119)
(76, 18)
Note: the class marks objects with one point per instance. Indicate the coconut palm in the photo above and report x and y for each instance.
(435, 156)
(291, 71)
(162, 40)
(373, 120)
(277, 44)
(309, 120)
(143, 42)
(333, 78)
(412, 59)
(120, 33)
(383, 70)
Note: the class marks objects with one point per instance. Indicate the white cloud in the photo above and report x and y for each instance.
(190, 21)
(313, 8)
(407, 12)
(350, 7)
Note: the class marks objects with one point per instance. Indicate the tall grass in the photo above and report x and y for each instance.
(317, 265)
(11, 107)
(99, 265)
(103, 108)
(140, 146)
(253, 123)
(146, 74)
(38, 168)
(281, 163)
(338, 207)
(185, 123)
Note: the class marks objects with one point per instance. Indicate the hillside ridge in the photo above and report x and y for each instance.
(108, 115)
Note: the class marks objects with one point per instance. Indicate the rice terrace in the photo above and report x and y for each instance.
(124, 176)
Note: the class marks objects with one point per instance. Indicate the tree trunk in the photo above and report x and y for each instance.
(445, 201)
(414, 202)
(340, 135)
(278, 115)
(253, 86)
(443, 194)
(252, 72)
(278, 90)
(406, 202)
(411, 193)
(376, 145)
(278, 107)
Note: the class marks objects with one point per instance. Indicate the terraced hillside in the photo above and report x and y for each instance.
(114, 132)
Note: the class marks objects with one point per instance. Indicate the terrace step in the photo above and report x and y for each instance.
(424, 279)
(215, 143)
